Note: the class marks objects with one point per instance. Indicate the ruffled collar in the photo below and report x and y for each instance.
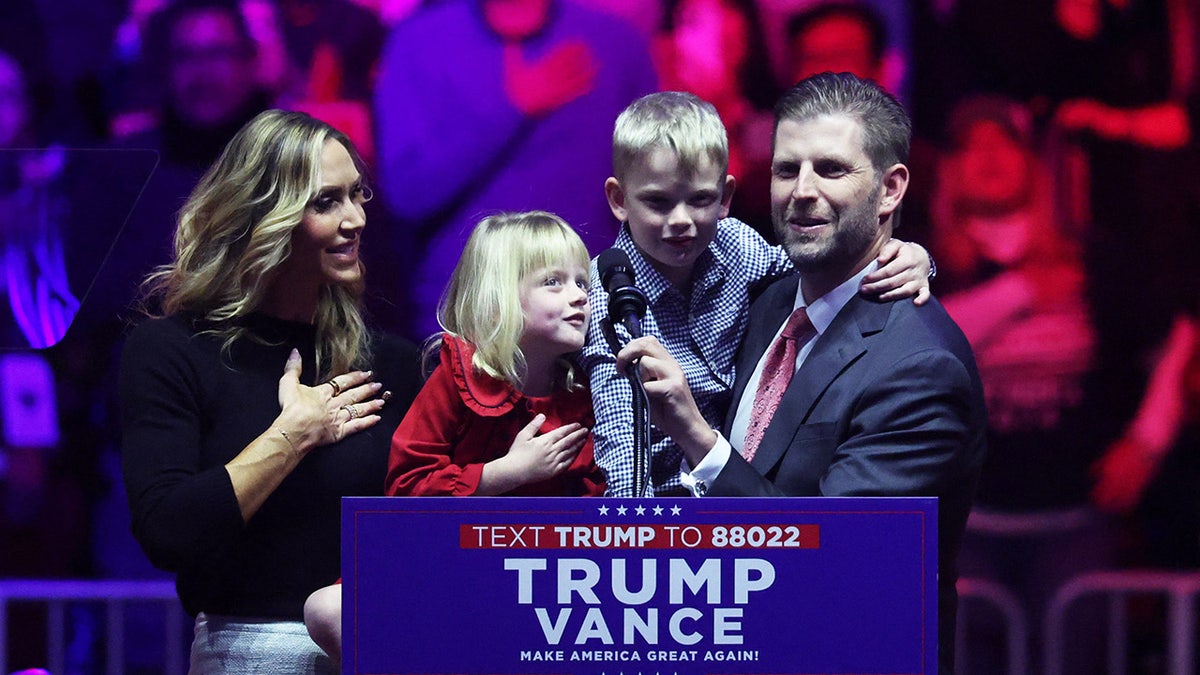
(488, 396)
(483, 394)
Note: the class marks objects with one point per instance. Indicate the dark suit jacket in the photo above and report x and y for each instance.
(888, 403)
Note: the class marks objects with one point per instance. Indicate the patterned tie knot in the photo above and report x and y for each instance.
(797, 324)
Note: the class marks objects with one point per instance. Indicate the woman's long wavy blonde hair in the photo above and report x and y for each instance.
(235, 231)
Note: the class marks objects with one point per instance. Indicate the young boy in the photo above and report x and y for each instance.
(697, 268)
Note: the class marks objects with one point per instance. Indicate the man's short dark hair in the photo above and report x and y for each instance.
(886, 126)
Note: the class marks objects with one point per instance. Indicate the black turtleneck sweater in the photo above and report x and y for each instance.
(187, 409)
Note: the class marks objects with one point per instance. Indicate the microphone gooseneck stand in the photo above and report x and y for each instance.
(627, 303)
(641, 414)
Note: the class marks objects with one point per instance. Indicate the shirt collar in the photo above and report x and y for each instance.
(483, 394)
(651, 281)
(824, 309)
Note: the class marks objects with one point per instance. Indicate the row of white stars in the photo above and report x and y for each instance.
(640, 510)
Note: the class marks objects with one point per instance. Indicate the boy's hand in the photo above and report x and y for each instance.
(903, 272)
(547, 83)
(535, 458)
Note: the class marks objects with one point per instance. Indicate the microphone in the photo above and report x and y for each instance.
(626, 301)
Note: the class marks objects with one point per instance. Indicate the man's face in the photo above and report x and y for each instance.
(826, 197)
(516, 20)
(710, 47)
(672, 213)
(211, 70)
(836, 44)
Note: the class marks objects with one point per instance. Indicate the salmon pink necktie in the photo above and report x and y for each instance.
(776, 374)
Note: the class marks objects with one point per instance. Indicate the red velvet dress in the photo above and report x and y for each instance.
(463, 419)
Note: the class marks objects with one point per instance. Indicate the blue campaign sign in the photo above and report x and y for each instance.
(591, 586)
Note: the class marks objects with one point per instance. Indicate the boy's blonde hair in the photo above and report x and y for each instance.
(482, 303)
(683, 122)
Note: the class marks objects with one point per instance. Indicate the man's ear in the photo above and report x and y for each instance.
(727, 195)
(616, 198)
(895, 184)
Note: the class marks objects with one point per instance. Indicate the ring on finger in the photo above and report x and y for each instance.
(350, 410)
(337, 388)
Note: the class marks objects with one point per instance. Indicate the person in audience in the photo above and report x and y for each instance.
(1017, 286)
(836, 37)
(716, 49)
(200, 59)
(1153, 468)
(497, 105)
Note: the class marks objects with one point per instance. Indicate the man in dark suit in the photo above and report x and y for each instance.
(886, 398)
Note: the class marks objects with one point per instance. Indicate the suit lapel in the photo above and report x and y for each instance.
(842, 343)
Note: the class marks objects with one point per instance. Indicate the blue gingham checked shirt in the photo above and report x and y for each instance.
(702, 332)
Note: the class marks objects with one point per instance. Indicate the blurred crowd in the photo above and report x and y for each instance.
(1054, 180)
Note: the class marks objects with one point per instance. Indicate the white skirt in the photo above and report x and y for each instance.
(246, 645)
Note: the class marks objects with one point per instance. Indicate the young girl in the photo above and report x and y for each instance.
(506, 411)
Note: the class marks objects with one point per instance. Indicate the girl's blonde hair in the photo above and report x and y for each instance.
(235, 231)
(482, 303)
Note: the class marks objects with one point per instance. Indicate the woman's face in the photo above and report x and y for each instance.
(325, 245)
(995, 171)
(993, 168)
(710, 45)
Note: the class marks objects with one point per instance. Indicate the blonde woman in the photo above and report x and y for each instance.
(258, 398)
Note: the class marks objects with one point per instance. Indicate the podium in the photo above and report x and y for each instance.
(606, 586)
